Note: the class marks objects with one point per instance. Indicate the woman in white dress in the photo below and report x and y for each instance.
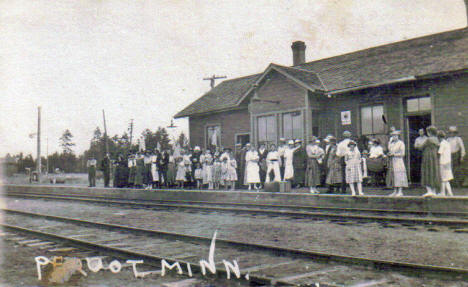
(207, 168)
(288, 161)
(273, 165)
(154, 168)
(353, 168)
(445, 159)
(396, 176)
(252, 168)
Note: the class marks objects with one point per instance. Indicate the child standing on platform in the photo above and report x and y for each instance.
(198, 175)
(230, 176)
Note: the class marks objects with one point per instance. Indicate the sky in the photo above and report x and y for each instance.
(145, 60)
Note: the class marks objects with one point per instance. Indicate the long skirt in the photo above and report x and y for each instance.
(140, 169)
(171, 174)
(312, 172)
(120, 176)
(288, 171)
(396, 175)
(180, 176)
(231, 174)
(207, 173)
(334, 175)
(446, 172)
(430, 168)
(353, 172)
(252, 172)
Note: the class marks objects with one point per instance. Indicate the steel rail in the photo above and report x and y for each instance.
(134, 255)
(260, 205)
(304, 214)
(375, 263)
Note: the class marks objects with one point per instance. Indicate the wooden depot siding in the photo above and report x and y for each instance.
(231, 122)
(450, 99)
(291, 98)
(278, 88)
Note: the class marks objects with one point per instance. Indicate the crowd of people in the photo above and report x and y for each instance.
(328, 163)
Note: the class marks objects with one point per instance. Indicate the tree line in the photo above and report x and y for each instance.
(68, 161)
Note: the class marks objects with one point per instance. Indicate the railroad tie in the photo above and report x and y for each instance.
(42, 243)
(267, 266)
(313, 273)
(26, 242)
(182, 283)
(370, 283)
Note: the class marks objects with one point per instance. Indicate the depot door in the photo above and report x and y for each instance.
(415, 123)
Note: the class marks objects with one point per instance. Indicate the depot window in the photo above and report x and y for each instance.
(213, 136)
(266, 129)
(418, 104)
(292, 125)
(372, 122)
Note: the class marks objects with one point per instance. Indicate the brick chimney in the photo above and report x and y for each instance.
(466, 8)
(298, 50)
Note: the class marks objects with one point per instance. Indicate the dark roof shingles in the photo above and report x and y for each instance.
(438, 53)
(223, 96)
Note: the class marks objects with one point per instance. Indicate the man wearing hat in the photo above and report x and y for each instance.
(105, 167)
(299, 163)
(457, 149)
(341, 150)
(147, 176)
(91, 164)
(283, 145)
(326, 148)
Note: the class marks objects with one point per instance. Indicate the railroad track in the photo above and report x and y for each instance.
(262, 264)
(454, 219)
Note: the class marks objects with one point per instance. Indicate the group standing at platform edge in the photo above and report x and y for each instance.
(331, 163)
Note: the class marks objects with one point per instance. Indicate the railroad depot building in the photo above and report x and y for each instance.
(409, 85)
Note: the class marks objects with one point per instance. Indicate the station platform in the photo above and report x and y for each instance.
(375, 199)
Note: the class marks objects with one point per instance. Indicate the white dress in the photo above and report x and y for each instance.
(252, 168)
(154, 168)
(207, 169)
(180, 176)
(288, 165)
(445, 152)
(397, 172)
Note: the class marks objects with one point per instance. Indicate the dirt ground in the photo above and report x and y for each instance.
(18, 268)
(417, 244)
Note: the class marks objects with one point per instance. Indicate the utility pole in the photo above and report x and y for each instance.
(47, 155)
(212, 79)
(105, 132)
(130, 128)
(38, 162)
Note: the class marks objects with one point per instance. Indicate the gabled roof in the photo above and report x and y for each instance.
(434, 54)
(223, 96)
(400, 61)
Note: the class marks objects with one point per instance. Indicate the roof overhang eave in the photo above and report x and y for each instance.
(233, 108)
(361, 87)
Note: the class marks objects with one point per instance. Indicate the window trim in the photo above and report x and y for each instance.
(372, 105)
(418, 112)
(220, 133)
(275, 117)
(300, 121)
